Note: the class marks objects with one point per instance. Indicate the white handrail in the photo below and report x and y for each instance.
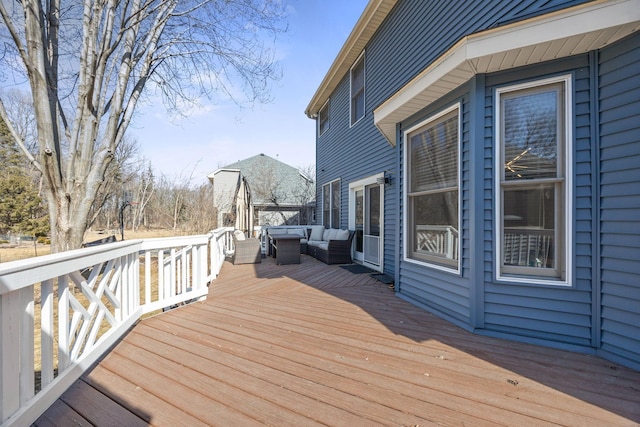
(81, 302)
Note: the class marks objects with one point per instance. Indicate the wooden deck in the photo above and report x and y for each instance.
(312, 344)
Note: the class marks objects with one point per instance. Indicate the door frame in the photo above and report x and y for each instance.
(361, 184)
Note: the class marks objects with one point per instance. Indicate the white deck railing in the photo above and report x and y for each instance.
(60, 313)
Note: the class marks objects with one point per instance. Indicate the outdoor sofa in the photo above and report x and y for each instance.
(329, 245)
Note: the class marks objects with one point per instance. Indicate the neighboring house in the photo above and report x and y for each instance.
(259, 191)
(488, 155)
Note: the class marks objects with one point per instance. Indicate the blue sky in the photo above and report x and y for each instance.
(220, 133)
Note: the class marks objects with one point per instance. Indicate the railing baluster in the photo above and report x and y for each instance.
(147, 277)
(46, 333)
(161, 279)
(27, 331)
(63, 323)
(172, 286)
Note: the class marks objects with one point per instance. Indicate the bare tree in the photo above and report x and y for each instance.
(144, 192)
(305, 193)
(89, 63)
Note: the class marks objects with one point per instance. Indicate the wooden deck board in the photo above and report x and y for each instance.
(312, 344)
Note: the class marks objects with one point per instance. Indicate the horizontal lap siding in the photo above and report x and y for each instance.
(446, 293)
(549, 313)
(351, 153)
(413, 36)
(620, 198)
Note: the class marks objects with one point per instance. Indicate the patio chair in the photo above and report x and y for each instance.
(247, 251)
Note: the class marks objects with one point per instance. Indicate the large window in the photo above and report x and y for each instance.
(331, 204)
(357, 90)
(323, 119)
(433, 217)
(533, 198)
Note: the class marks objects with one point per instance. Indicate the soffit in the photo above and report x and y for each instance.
(374, 14)
(557, 35)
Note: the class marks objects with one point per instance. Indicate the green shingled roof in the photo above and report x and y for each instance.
(270, 178)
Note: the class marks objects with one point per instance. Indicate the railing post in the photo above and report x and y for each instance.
(213, 248)
(9, 354)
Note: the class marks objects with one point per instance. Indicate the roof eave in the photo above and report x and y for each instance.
(374, 14)
(557, 35)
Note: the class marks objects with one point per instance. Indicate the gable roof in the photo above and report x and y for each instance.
(266, 173)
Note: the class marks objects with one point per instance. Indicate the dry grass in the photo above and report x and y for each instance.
(28, 249)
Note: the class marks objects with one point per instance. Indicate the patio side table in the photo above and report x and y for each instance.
(286, 248)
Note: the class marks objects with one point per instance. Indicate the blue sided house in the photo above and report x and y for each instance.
(487, 154)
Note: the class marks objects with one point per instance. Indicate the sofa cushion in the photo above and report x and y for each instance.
(316, 232)
(341, 235)
(325, 234)
(315, 243)
(323, 245)
(239, 235)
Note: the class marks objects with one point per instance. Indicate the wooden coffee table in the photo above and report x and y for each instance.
(285, 248)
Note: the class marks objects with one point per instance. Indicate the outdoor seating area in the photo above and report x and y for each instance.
(313, 344)
(329, 245)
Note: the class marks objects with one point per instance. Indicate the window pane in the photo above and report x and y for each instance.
(436, 225)
(326, 204)
(357, 77)
(434, 155)
(359, 196)
(530, 131)
(373, 210)
(326, 197)
(357, 107)
(357, 91)
(323, 120)
(335, 204)
(529, 227)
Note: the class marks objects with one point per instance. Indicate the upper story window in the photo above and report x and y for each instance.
(533, 201)
(357, 90)
(433, 190)
(331, 204)
(323, 119)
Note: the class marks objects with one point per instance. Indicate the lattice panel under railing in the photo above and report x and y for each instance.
(94, 305)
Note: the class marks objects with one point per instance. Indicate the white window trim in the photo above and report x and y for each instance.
(405, 195)
(326, 105)
(568, 172)
(364, 89)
